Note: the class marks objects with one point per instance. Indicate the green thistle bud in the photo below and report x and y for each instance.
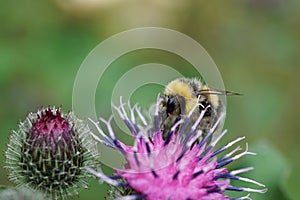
(49, 153)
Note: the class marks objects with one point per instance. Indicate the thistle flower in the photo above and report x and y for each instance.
(175, 168)
(49, 153)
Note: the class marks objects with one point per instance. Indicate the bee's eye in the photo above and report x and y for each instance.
(171, 104)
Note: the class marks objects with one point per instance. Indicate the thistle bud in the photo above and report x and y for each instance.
(49, 153)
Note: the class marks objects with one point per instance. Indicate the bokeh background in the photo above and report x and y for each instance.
(255, 44)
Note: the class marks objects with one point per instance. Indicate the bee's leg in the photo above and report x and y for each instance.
(166, 128)
(206, 126)
(168, 124)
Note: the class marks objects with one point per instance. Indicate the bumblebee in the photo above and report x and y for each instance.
(180, 97)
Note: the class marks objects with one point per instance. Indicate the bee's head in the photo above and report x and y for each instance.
(179, 97)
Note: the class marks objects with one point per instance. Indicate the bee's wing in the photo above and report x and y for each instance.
(216, 91)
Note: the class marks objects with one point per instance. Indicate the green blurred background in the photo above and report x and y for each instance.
(255, 44)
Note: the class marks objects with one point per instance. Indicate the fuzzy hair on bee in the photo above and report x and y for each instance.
(180, 97)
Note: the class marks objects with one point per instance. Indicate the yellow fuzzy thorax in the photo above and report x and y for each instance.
(179, 88)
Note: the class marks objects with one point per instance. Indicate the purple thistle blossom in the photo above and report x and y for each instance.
(175, 168)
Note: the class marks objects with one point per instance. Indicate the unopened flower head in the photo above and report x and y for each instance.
(178, 167)
(49, 153)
